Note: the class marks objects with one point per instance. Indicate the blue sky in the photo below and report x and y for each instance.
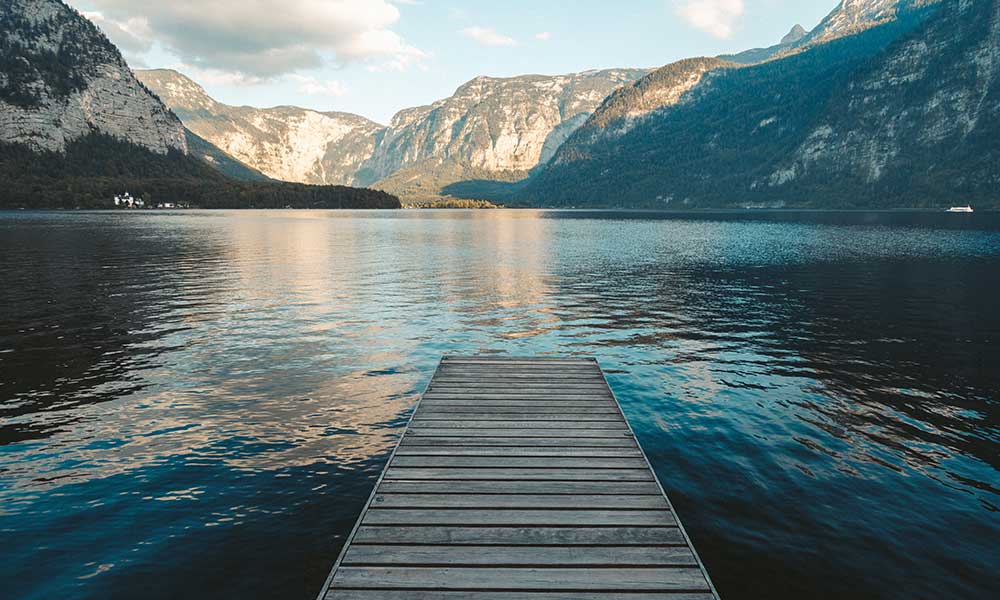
(375, 57)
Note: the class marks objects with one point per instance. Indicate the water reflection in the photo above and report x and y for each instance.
(206, 398)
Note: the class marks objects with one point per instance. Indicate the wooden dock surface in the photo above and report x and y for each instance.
(518, 478)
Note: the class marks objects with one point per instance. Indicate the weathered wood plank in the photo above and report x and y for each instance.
(342, 594)
(616, 424)
(505, 440)
(483, 501)
(523, 556)
(519, 474)
(515, 399)
(564, 431)
(520, 487)
(520, 536)
(460, 411)
(518, 376)
(519, 462)
(525, 388)
(497, 517)
(517, 451)
(517, 360)
(613, 579)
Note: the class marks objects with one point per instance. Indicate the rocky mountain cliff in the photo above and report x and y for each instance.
(848, 18)
(854, 16)
(901, 114)
(630, 104)
(61, 79)
(491, 128)
(284, 143)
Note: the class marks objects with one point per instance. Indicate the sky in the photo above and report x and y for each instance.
(376, 57)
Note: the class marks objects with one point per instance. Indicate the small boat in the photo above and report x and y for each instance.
(960, 209)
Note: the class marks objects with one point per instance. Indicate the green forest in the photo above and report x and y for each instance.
(96, 168)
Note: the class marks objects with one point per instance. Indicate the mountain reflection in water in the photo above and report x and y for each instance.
(204, 399)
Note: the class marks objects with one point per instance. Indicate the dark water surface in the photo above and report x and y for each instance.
(196, 405)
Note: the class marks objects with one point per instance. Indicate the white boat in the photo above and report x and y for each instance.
(960, 209)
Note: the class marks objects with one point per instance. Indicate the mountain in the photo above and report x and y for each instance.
(77, 127)
(789, 43)
(629, 105)
(797, 33)
(61, 80)
(854, 16)
(489, 129)
(495, 129)
(220, 161)
(848, 18)
(901, 114)
(284, 143)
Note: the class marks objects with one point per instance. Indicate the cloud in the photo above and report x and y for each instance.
(716, 17)
(488, 37)
(265, 38)
(131, 35)
(314, 87)
(543, 36)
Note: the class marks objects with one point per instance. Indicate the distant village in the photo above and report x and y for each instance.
(128, 201)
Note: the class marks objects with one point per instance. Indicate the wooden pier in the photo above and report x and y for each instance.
(518, 478)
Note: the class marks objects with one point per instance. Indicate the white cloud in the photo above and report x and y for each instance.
(488, 37)
(131, 35)
(543, 36)
(716, 17)
(315, 87)
(265, 38)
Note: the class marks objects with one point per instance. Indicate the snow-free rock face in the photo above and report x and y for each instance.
(627, 106)
(852, 16)
(490, 128)
(61, 79)
(497, 124)
(285, 143)
(934, 100)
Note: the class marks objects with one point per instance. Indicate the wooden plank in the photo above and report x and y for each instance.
(478, 439)
(615, 424)
(614, 579)
(520, 487)
(520, 474)
(514, 360)
(522, 388)
(359, 594)
(515, 399)
(518, 478)
(566, 501)
(520, 536)
(517, 517)
(519, 378)
(432, 411)
(559, 406)
(519, 372)
(563, 432)
(523, 556)
(517, 451)
(518, 462)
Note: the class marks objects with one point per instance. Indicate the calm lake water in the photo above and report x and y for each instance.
(196, 405)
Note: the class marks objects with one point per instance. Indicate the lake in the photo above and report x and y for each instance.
(197, 404)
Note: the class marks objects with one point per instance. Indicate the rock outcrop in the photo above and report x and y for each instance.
(285, 143)
(62, 79)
